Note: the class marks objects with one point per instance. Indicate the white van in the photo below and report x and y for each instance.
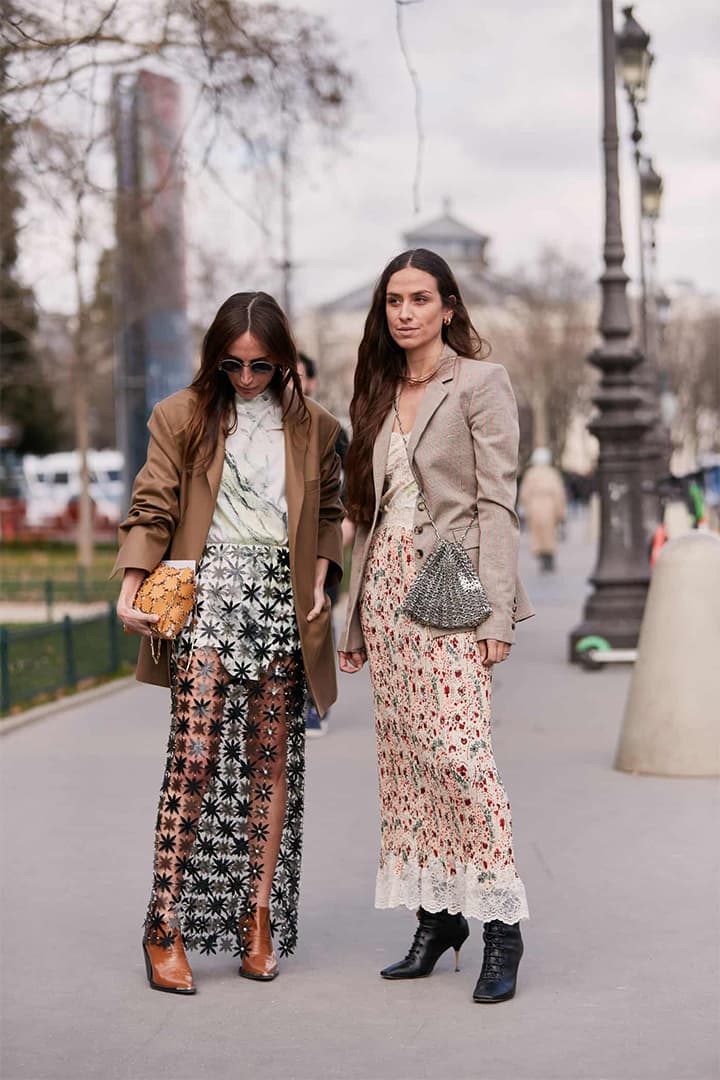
(53, 481)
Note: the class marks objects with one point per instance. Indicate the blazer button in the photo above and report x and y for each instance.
(419, 553)
(421, 506)
(418, 528)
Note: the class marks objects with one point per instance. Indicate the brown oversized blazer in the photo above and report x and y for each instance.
(171, 511)
(463, 447)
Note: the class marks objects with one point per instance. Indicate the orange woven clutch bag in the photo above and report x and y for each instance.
(169, 592)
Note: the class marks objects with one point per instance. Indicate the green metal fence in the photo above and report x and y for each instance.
(36, 660)
(79, 589)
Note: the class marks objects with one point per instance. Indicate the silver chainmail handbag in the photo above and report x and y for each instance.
(447, 593)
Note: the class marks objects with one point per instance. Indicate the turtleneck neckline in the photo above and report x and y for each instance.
(265, 398)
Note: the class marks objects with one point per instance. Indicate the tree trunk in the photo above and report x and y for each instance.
(541, 431)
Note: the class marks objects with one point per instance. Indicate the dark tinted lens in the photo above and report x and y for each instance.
(230, 365)
(258, 367)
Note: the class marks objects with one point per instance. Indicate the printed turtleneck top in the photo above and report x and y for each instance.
(251, 507)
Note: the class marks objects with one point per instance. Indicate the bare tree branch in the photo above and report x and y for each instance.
(417, 89)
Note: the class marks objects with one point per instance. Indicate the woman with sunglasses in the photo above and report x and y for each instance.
(241, 477)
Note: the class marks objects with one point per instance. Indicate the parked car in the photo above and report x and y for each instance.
(52, 486)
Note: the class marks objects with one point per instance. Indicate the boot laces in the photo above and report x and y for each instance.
(418, 941)
(492, 967)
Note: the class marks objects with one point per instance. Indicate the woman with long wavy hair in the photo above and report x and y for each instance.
(434, 453)
(242, 478)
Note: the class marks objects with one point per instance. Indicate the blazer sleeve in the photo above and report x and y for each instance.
(351, 638)
(495, 433)
(329, 545)
(154, 513)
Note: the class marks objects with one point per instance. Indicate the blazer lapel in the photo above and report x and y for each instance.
(435, 393)
(296, 433)
(380, 455)
(215, 468)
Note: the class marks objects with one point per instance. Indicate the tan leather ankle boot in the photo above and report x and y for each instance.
(259, 961)
(166, 964)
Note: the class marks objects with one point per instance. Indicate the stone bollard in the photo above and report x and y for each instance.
(672, 717)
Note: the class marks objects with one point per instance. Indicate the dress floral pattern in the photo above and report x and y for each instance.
(446, 833)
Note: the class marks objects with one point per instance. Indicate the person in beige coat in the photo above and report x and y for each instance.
(543, 501)
(241, 478)
(435, 436)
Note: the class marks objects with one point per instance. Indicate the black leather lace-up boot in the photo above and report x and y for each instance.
(436, 933)
(503, 949)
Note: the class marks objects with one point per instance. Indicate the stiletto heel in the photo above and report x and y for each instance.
(436, 933)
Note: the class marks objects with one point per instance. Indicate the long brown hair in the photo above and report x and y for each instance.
(260, 314)
(381, 362)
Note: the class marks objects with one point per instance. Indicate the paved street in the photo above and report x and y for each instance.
(620, 977)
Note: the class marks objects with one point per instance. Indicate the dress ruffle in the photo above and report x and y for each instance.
(470, 889)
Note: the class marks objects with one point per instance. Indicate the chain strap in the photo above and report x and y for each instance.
(156, 641)
(423, 496)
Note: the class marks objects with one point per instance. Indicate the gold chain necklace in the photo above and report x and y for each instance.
(411, 380)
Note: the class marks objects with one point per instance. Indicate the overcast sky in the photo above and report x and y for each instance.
(511, 102)
(512, 117)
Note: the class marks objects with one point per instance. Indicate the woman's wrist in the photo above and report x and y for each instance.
(322, 566)
(133, 578)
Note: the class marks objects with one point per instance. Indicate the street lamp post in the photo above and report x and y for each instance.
(651, 188)
(634, 61)
(620, 580)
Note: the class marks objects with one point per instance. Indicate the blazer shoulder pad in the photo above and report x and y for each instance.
(177, 408)
(476, 373)
(320, 415)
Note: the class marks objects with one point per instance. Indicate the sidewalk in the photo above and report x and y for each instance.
(37, 612)
(620, 976)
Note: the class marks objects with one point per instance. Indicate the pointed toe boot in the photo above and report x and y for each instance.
(166, 964)
(259, 961)
(436, 933)
(503, 950)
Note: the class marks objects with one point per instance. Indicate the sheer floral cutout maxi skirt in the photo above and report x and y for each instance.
(237, 694)
(446, 834)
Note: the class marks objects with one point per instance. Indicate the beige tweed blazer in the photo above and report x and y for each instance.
(464, 451)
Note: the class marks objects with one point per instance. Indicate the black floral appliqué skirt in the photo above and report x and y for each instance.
(237, 693)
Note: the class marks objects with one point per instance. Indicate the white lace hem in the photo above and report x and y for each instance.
(470, 890)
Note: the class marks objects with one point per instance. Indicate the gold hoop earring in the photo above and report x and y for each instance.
(447, 320)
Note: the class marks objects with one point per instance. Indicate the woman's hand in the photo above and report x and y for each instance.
(493, 652)
(350, 662)
(320, 598)
(135, 622)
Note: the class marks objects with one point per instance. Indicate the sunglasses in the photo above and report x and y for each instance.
(258, 367)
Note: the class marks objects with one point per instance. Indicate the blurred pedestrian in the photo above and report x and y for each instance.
(435, 433)
(315, 724)
(242, 478)
(543, 503)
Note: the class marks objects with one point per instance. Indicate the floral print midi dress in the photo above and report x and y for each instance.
(446, 834)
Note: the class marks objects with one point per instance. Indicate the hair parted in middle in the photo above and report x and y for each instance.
(381, 364)
(261, 315)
